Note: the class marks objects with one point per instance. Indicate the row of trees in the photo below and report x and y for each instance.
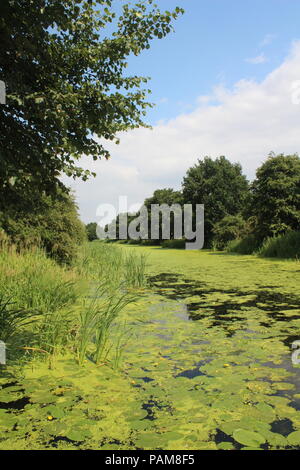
(234, 208)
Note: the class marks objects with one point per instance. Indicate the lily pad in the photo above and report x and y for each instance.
(294, 438)
(248, 438)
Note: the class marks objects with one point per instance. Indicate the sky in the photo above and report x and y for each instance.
(226, 82)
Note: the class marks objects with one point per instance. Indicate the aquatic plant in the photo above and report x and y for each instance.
(96, 317)
(135, 269)
(201, 360)
(13, 319)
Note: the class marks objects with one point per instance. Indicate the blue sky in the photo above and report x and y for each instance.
(211, 45)
(227, 82)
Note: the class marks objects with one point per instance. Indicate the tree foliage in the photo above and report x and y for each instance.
(166, 196)
(91, 230)
(220, 186)
(51, 222)
(64, 64)
(276, 195)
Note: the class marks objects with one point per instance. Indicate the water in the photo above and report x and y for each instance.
(229, 349)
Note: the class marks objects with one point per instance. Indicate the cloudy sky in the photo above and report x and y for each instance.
(226, 83)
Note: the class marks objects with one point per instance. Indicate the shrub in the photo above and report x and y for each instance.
(245, 246)
(229, 228)
(175, 244)
(50, 222)
(282, 246)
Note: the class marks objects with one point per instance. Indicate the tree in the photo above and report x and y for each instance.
(63, 63)
(91, 230)
(220, 186)
(166, 196)
(275, 201)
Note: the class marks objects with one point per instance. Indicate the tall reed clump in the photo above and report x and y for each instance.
(282, 246)
(100, 260)
(113, 275)
(96, 318)
(35, 294)
(135, 270)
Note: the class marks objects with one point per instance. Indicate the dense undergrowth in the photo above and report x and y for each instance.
(281, 246)
(46, 309)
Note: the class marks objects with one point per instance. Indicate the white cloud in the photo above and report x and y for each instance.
(267, 40)
(260, 59)
(244, 124)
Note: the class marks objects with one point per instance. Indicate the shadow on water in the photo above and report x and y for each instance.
(283, 427)
(15, 404)
(174, 287)
(272, 308)
(152, 405)
(194, 372)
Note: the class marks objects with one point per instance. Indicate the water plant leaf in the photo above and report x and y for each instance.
(248, 438)
(294, 438)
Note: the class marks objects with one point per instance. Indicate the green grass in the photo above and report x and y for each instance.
(35, 296)
(36, 282)
(107, 261)
(46, 307)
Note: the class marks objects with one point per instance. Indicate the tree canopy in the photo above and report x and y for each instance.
(275, 193)
(64, 65)
(220, 186)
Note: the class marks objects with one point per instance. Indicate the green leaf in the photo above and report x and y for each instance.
(294, 438)
(248, 438)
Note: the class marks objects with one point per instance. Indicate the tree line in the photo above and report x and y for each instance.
(239, 215)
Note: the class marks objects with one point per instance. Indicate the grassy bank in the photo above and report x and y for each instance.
(46, 309)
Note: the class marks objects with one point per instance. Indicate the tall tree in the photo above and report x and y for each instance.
(91, 230)
(220, 186)
(166, 196)
(64, 65)
(275, 201)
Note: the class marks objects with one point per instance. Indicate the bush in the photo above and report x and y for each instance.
(282, 246)
(50, 222)
(175, 244)
(245, 246)
(229, 228)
